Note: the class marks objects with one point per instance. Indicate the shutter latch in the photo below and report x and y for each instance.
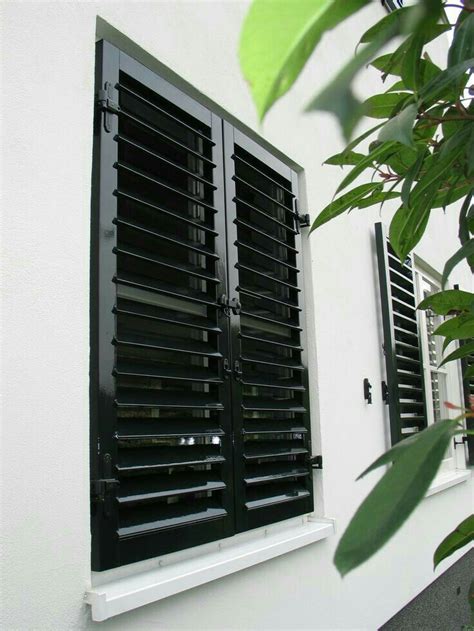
(106, 104)
(101, 488)
(230, 306)
(316, 462)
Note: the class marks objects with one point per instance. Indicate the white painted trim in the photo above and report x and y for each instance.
(121, 595)
(446, 480)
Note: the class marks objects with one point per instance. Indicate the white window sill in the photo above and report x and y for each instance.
(233, 554)
(447, 480)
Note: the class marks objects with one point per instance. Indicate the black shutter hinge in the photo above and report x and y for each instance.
(385, 395)
(100, 489)
(316, 462)
(303, 220)
(107, 105)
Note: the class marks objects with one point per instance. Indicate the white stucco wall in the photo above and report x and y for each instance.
(47, 89)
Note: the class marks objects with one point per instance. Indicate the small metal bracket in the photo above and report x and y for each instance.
(463, 441)
(107, 104)
(316, 462)
(385, 396)
(367, 391)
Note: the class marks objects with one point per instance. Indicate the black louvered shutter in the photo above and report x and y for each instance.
(199, 400)
(269, 394)
(468, 386)
(402, 346)
(161, 415)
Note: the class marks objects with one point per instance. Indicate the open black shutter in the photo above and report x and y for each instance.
(405, 392)
(270, 391)
(161, 417)
(468, 386)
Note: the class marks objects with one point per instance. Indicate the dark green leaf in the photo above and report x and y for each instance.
(346, 157)
(458, 328)
(383, 105)
(377, 198)
(456, 140)
(354, 143)
(462, 46)
(410, 71)
(277, 39)
(464, 252)
(458, 538)
(338, 206)
(463, 351)
(448, 301)
(374, 31)
(445, 79)
(390, 456)
(377, 155)
(411, 176)
(394, 497)
(407, 227)
(400, 127)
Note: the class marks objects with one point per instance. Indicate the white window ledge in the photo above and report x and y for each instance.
(446, 480)
(124, 594)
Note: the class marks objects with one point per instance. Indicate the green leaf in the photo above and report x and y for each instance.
(389, 456)
(378, 154)
(277, 39)
(407, 227)
(374, 31)
(458, 328)
(458, 138)
(462, 46)
(344, 158)
(394, 497)
(464, 252)
(338, 206)
(383, 105)
(445, 79)
(337, 97)
(400, 127)
(463, 351)
(458, 538)
(411, 176)
(410, 71)
(448, 301)
(354, 143)
(414, 71)
(377, 198)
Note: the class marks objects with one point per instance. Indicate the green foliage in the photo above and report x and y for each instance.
(395, 496)
(458, 538)
(422, 156)
(277, 39)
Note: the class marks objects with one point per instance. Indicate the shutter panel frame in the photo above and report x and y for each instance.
(387, 265)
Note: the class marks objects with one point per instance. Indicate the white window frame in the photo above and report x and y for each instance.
(455, 459)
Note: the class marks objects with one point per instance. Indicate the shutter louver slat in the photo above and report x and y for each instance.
(273, 478)
(402, 345)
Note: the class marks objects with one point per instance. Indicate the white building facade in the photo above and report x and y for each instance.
(279, 576)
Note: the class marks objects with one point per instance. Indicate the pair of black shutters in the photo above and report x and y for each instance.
(200, 418)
